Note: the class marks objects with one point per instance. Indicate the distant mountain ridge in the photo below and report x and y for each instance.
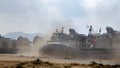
(15, 35)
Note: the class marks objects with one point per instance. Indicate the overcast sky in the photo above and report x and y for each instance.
(33, 16)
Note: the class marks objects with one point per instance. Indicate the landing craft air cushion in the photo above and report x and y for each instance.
(95, 45)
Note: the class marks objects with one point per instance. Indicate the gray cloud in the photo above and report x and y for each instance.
(44, 15)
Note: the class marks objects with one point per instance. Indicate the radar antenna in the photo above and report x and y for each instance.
(62, 30)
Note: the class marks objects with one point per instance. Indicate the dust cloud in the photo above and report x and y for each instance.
(33, 49)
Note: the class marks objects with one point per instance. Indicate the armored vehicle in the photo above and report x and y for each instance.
(10, 46)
